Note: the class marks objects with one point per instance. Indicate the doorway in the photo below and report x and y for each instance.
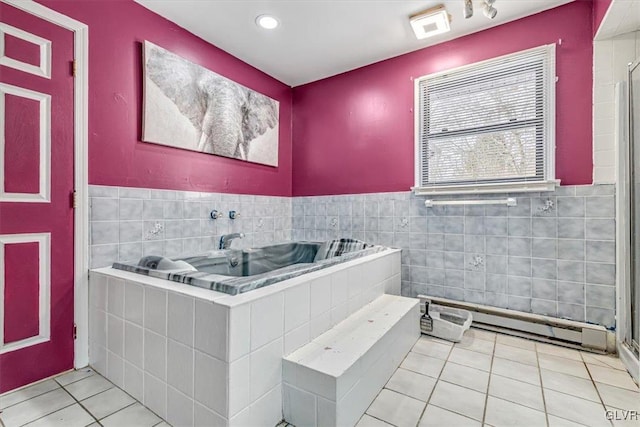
(43, 193)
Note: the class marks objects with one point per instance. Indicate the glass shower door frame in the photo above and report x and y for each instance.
(632, 284)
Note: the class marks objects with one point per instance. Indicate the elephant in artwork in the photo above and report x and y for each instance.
(228, 116)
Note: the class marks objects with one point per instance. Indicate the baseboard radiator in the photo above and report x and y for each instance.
(569, 333)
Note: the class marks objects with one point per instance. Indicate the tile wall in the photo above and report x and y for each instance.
(127, 223)
(553, 254)
(610, 60)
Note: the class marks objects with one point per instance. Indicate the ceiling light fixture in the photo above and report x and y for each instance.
(468, 9)
(267, 22)
(488, 10)
(430, 22)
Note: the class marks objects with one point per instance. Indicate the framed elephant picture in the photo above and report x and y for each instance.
(190, 107)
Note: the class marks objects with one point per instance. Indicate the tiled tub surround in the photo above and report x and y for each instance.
(552, 254)
(195, 356)
(127, 223)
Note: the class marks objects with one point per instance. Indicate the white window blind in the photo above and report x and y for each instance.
(487, 125)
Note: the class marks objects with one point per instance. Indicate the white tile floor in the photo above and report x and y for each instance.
(75, 399)
(487, 379)
(498, 380)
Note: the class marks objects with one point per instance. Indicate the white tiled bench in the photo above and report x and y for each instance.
(332, 380)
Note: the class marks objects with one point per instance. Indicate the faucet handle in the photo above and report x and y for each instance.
(234, 215)
(215, 214)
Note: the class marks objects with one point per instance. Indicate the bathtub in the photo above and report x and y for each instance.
(238, 271)
(200, 356)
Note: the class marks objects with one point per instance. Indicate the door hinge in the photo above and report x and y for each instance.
(74, 199)
(73, 68)
(75, 331)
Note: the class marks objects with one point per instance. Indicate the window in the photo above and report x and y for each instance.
(488, 127)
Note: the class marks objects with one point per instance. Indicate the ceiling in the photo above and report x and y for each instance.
(622, 17)
(322, 38)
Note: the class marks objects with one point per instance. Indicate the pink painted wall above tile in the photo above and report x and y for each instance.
(354, 133)
(117, 29)
(600, 8)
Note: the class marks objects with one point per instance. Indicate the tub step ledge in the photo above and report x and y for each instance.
(333, 379)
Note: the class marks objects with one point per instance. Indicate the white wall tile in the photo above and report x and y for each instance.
(134, 303)
(115, 296)
(339, 313)
(211, 328)
(98, 327)
(211, 382)
(604, 110)
(604, 158)
(299, 406)
(98, 357)
(239, 335)
(180, 373)
(610, 59)
(267, 320)
(134, 381)
(98, 291)
(268, 409)
(604, 174)
(115, 369)
(239, 385)
(179, 408)
(180, 318)
(155, 354)
(115, 334)
(155, 395)
(355, 285)
(624, 52)
(339, 287)
(155, 310)
(326, 412)
(266, 368)
(296, 339)
(242, 419)
(204, 417)
(320, 324)
(296, 306)
(320, 296)
(133, 344)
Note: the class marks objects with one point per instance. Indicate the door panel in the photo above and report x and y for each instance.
(36, 183)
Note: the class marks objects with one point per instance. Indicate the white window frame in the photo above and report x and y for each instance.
(548, 183)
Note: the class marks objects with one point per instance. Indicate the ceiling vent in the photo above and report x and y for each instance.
(430, 22)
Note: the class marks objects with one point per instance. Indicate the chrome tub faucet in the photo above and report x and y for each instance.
(227, 239)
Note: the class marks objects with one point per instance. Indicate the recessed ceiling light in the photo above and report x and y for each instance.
(430, 22)
(267, 21)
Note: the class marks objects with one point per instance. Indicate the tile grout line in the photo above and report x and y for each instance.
(486, 396)
(78, 401)
(60, 386)
(54, 379)
(595, 386)
(544, 399)
(75, 402)
(436, 383)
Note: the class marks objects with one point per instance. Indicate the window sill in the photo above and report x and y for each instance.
(512, 187)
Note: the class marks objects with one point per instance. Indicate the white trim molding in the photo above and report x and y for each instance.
(44, 168)
(81, 176)
(44, 288)
(512, 187)
(43, 69)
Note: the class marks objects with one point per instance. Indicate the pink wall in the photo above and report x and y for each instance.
(116, 154)
(600, 8)
(353, 133)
